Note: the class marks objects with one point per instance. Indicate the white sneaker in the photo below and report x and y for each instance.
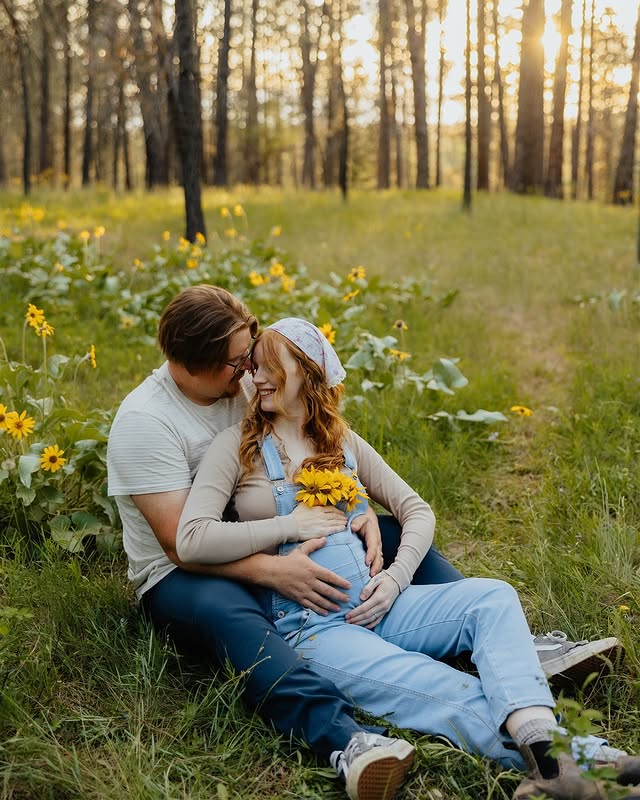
(572, 662)
(373, 766)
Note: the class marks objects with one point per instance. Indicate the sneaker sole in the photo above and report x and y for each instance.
(379, 775)
(575, 667)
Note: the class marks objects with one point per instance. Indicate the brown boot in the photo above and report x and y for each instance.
(569, 784)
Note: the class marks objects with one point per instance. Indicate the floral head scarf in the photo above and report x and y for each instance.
(313, 344)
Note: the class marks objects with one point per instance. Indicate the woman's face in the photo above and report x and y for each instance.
(275, 394)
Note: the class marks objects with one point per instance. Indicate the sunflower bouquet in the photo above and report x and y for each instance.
(322, 487)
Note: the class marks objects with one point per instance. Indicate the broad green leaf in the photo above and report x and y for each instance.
(27, 465)
(109, 540)
(481, 416)
(54, 364)
(444, 376)
(25, 494)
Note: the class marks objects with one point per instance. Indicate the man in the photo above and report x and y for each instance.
(158, 438)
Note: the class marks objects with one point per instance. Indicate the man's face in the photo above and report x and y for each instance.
(224, 381)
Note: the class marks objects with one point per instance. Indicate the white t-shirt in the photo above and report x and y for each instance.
(156, 443)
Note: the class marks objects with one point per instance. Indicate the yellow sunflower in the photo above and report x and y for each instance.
(51, 459)
(19, 425)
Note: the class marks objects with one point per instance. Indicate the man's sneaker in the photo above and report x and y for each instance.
(565, 662)
(373, 766)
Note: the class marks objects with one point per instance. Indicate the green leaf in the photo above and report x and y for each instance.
(107, 506)
(25, 494)
(444, 376)
(55, 362)
(65, 536)
(27, 465)
(86, 521)
(109, 540)
(481, 416)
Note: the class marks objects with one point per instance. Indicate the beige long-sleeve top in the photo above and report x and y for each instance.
(203, 537)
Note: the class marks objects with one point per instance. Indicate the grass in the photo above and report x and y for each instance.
(94, 706)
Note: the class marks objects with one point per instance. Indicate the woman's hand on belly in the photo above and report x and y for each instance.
(378, 596)
(318, 521)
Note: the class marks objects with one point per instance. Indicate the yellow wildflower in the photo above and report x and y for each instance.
(238, 210)
(34, 316)
(399, 355)
(357, 274)
(84, 236)
(624, 609)
(276, 230)
(99, 231)
(329, 331)
(183, 244)
(401, 325)
(224, 212)
(62, 225)
(51, 459)
(321, 487)
(196, 252)
(288, 284)
(19, 425)
(137, 263)
(45, 330)
(276, 269)
(127, 322)
(256, 279)
(3, 417)
(92, 356)
(58, 267)
(201, 238)
(166, 236)
(522, 411)
(231, 233)
(350, 295)
(192, 263)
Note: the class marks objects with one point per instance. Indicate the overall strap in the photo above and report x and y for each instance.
(271, 460)
(349, 459)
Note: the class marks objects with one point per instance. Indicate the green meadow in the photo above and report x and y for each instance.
(523, 305)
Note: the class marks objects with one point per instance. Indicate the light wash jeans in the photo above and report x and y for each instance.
(394, 671)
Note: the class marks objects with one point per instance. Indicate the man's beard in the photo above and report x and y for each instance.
(233, 387)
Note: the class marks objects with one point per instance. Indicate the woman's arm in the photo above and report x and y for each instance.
(387, 488)
(202, 536)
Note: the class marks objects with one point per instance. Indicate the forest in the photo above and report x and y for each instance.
(531, 96)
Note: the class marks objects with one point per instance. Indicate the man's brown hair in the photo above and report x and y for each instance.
(196, 326)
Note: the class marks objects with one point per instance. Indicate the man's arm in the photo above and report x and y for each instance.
(295, 575)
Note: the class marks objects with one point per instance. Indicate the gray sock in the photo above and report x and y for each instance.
(536, 730)
(536, 737)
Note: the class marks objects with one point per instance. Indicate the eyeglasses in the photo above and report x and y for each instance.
(239, 365)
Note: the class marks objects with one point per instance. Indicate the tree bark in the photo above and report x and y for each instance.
(466, 196)
(21, 50)
(309, 53)
(553, 185)
(384, 133)
(576, 137)
(417, 39)
(87, 146)
(220, 165)
(484, 105)
(527, 173)
(502, 122)
(45, 160)
(66, 121)
(442, 9)
(185, 108)
(591, 110)
(252, 155)
(623, 182)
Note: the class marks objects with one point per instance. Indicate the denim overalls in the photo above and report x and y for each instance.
(396, 670)
(343, 554)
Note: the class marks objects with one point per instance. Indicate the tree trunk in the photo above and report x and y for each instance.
(527, 173)
(466, 196)
(309, 54)
(484, 105)
(576, 138)
(591, 110)
(252, 156)
(45, 161)
(185, 108)
(417, 38)
(502, 122)
(397, 132)
(21, 50)
(220, 165)
(66, 123)
(442, 10)
(553, 186)
(623, 183)
(87, 147)
(384, 134)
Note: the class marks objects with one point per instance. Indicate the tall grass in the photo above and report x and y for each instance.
(94, 706)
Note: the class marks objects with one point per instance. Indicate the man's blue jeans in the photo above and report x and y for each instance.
(220, 619)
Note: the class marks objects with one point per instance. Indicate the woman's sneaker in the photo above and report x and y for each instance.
(373, 766)
(566, 662)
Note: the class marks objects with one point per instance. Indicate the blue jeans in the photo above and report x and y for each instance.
(218, 619)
